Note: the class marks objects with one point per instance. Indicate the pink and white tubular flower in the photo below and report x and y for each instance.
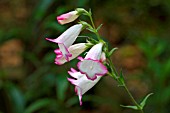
(68, 17)
(91, 65)
(81, 82)
(65, 40)
(75, 50)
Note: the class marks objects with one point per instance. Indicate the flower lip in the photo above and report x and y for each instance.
(73, 70)
(58, 63)
(81, 82)
(95, 74)
(74, 50)
(78, 91)
(65, 51)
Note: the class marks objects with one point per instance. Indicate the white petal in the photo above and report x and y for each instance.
(103, 57)
(95, 52)
(86, 84)
(69, 36)
(76, 75)
(79, 93)
(92, 68)
(82, 85)
(74, 50)
(77, 49)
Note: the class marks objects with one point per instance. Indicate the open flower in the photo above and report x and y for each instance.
(66, 39)
(81, 82)
(68, 17)
(75, 50)
(91, 65)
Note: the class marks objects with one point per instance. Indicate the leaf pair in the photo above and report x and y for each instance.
(142, 104)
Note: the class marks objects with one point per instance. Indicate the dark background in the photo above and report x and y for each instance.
(31, 83)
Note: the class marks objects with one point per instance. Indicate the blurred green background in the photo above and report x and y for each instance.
(31, 83)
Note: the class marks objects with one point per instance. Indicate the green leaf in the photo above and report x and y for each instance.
(38, 105)
(62, 85)
(91, 40)
(91, 30)
(99, 27)
(111, 52)
(42, 8)
(16, 97)
(121, 78)
(90, 13)
(131, 107)
(85, 24)
(142, 104)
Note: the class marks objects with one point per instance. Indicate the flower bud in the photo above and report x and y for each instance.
(68, 17)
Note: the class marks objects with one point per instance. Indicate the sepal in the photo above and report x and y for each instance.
(81, 11)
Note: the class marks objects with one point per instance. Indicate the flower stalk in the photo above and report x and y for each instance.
(93, 25)
(97, 61)
(113, 72)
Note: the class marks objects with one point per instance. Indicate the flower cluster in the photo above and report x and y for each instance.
(90, 68)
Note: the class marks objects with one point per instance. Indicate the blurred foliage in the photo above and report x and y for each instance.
(34, 84)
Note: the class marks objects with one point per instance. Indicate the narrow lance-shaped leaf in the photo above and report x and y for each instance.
(90, 12)
(39, 104)
(121, 78)
(131, 107)
(99, 27)
(91, 30)
(111, 51)
(85, 24)
(91, 40)
(142, 104)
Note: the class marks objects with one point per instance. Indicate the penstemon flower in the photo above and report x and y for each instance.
(70, 16)
(81, 82)
(75, 50)
(66, 39)
(91, 65)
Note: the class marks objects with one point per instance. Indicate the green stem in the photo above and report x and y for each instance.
(116, 77)
(97, 34)
(114, 73)
(132, 98)
(113, 68)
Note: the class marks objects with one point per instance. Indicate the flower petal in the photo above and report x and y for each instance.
(103, 57)
(79, 93)
(92, 68)
(65, 51)
(95, 52)
(69, 36)
(75, 74)
(72, 52)
(82, 84)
